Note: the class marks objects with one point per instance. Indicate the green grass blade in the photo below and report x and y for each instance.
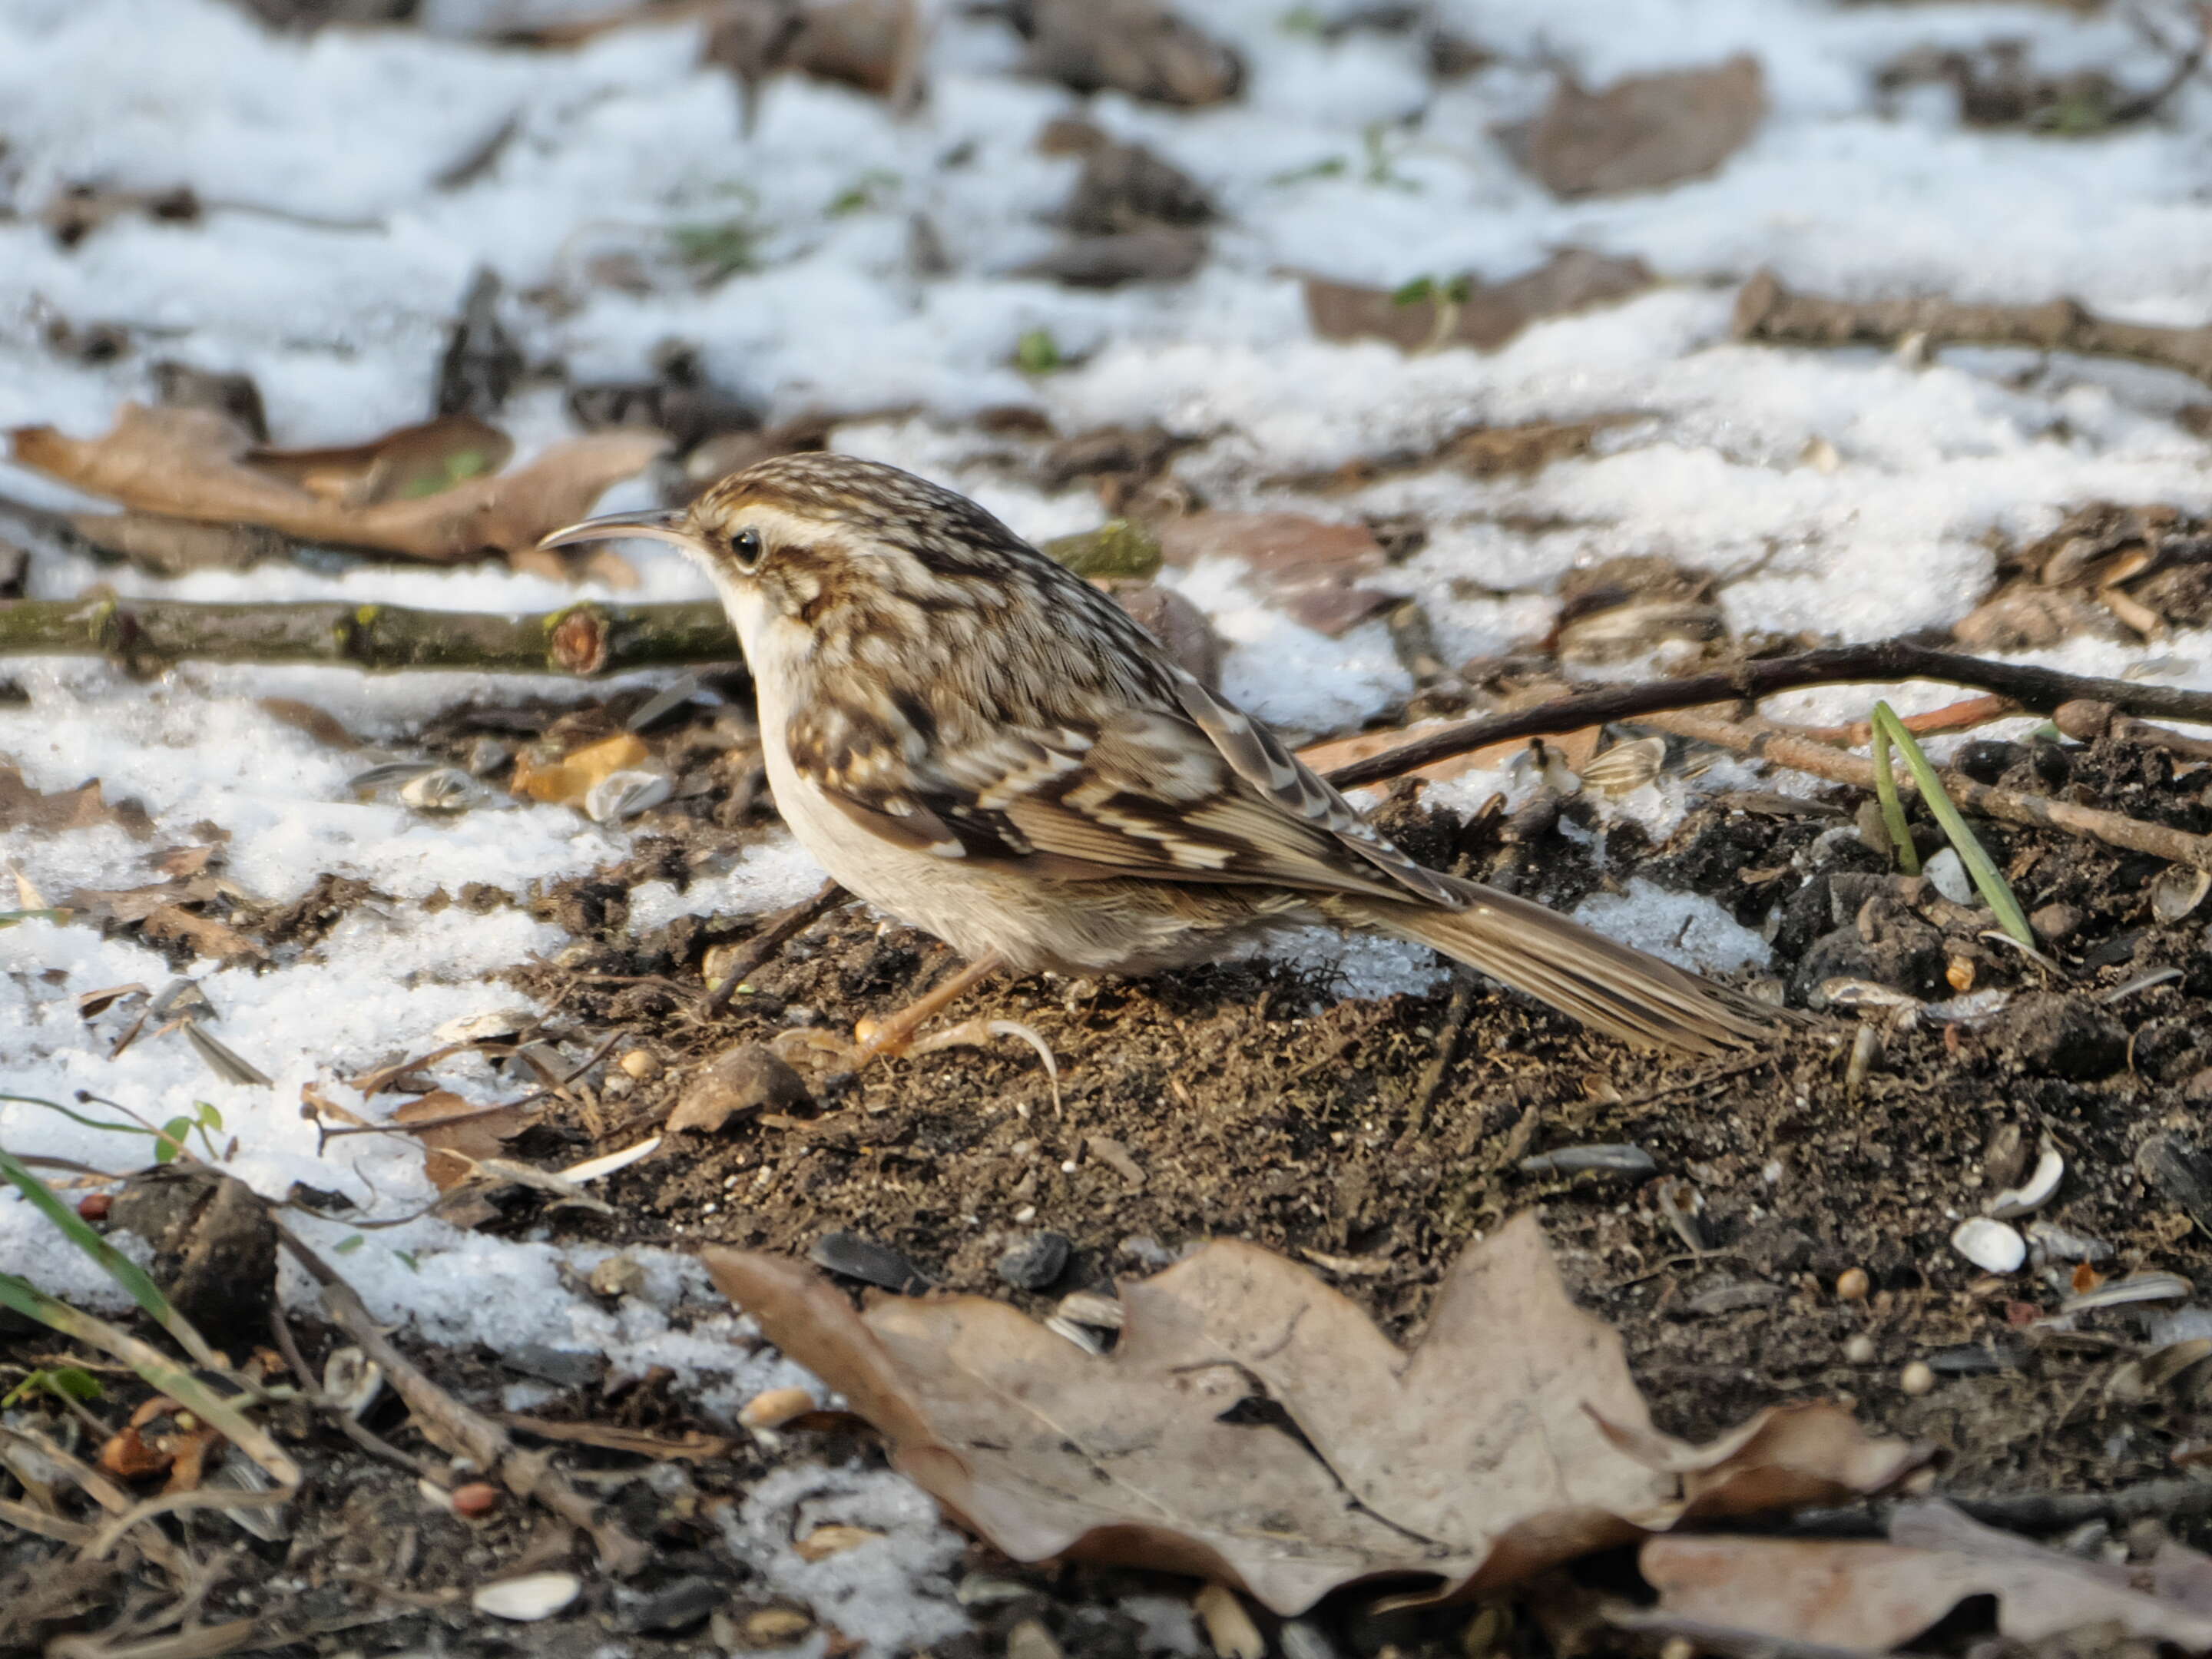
(117, 1266)
(1885, 789)
(1987, 877)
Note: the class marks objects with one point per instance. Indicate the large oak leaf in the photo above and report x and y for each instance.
(1511, 1438)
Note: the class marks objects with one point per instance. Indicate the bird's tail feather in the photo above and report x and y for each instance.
(1612, 986)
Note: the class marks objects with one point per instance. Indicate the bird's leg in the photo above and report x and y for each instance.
(891, 1035)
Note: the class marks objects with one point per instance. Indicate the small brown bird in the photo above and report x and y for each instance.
(980, 743)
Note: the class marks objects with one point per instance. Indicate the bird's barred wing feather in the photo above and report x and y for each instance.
(1198, 792)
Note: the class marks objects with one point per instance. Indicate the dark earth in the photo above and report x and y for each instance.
(1790, 1239)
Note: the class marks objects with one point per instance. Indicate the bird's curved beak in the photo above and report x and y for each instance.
(656, 524)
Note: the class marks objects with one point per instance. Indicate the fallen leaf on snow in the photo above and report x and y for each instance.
(1872, 1597)
(1511, 1439)
(456, 1148)
(1427, 316)
(1310, 568)
(1135, 47)
(1642, 132)
(84, 807)
(424, 496)
(566, 781)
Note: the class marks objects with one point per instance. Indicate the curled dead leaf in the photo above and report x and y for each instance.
(1645, 132)
(22, 807)
(423, 492)
(1872, 1597)
(1428, 316)
(1512, 1438)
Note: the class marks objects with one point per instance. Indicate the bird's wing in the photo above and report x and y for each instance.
(1198, 792)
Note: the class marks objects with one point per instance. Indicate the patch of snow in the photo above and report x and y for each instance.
(1684, 928)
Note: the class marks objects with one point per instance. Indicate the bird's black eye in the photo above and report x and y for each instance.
(745, 549)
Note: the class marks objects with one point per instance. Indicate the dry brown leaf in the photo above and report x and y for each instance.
(566, 781)
(208, 937)
(1312, 569)
(84, 807)
(196, 463)
(1484, 315)
(1872, 1597)
(456, 1148)
(403, 464)
(1642, 132)
(1137, 46)
(1511, 1439)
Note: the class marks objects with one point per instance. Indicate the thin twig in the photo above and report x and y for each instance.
(2169, 1499)
(1766, 311)
(368, 1440)
(463, 1431)
(2038, 690)
(1786, 747)
(2085, 721)
(771, 938)
(589, 638)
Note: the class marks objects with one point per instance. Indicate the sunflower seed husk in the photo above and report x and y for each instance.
(2178, 891)
(389, 773)
(1617, 1158)
(2136, 1287)
(1947, 873)
(449, 789)
(1625, 767)
(1989, 1245)
(1857, 994)
(864, 1259)
(1082, 1335)
(228, 1066)
(351, 1381)
(270, 1524)
(654, 708)
(2033, 1194)
(528, 1599)
(1103, 1313)
(2139, 984)
(622, 795)
(2054, 1243)
(1735, 1297)
(593, 1168)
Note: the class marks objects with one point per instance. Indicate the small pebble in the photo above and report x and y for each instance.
(1034, 1262)
(1030, 1640)
(93, 1206)
(1917, 1378)
(774, 1627)
(641, 1064)
(1859, 1350)
(619, 1275)
(478, 1498)
(1852, 1285)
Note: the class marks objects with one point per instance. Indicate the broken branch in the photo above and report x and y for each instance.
(463, 1431)
(578, 639)
(1766, 311)
(1765, 741)
(2038, 690)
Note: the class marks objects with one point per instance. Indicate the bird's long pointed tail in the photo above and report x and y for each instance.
(1614, 987)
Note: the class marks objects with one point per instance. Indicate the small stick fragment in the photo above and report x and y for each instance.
(461, 1431)
(1787, 748)
(1767, 312)
(2037, 690)
(771, 938)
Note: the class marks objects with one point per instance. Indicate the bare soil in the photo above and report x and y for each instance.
(1373, 1140)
